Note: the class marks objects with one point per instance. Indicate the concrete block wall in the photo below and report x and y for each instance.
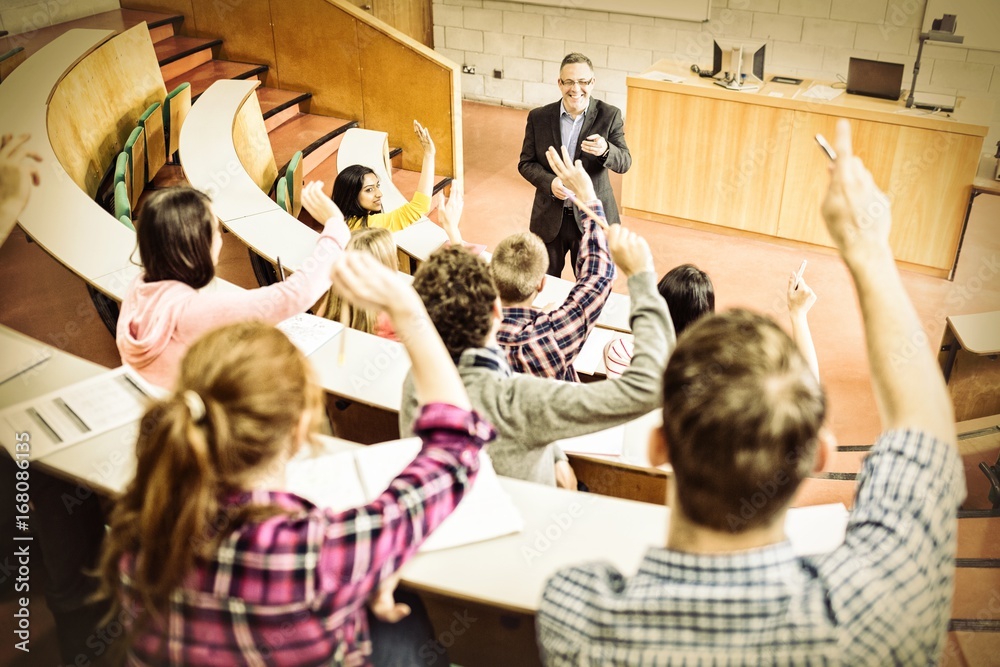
(17, 16)
(811, 38)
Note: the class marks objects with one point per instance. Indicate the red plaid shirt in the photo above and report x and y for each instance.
(291, 590)
(546, 344)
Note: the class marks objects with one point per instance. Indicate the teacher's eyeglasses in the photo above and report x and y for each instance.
(569, 83)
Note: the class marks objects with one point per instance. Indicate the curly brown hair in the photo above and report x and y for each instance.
(459, 294)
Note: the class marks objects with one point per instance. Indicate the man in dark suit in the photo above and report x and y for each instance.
(592, 131)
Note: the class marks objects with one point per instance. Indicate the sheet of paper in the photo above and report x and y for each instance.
(420, 239)
(609, 442)
(75, 413)
(662, 76)
(17, 356)
(590, 360)
(821, 92)
(309, 332)
(354, 478)
(817, 529)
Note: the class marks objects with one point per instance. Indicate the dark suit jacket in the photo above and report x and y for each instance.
(543, 131)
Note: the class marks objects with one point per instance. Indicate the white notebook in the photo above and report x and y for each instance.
(355, 478)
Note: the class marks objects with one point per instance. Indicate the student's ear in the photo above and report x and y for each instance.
(658, 454)
(497, 309)
(541, 284)
(827, 446)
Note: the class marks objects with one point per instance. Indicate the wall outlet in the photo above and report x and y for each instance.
(468, 69)
(498, 74)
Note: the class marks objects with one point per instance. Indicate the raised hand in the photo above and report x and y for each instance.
(323, 210)
(450, 212)
(425, 138)
(800, 296)
(572, 176)
(629, 250)
(857, 213)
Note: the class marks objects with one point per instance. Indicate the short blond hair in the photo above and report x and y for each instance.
(517, 266)
(378, 243)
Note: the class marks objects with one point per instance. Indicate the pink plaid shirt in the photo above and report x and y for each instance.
(291, 590)
(545, 344)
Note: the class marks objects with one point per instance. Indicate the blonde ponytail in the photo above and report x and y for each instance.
(240, 397)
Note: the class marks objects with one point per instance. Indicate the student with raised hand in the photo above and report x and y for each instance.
(356, 192)
(164, 311)
(743, 419)
(546, 343)
(210, 560)
(688, 293)
(531, 412)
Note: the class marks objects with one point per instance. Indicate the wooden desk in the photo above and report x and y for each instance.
(747, 163)
(968, 358)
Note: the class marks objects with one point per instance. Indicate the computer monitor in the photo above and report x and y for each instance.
(741, 62)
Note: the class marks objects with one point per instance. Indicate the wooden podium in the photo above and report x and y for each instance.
(747, 163)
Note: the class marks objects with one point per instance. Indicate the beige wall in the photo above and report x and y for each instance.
(17, 16)
(813, 38)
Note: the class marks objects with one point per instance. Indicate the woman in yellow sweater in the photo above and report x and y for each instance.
(356, 192)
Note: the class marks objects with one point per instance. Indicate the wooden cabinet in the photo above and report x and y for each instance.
(412, 17)
(748, 163)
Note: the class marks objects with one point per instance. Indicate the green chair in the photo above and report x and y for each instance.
(281, 195)
(135, 148)
(123, 207)
(127, 221)
(151, 122)
(122, 174)
(175, 110)
(293, 184)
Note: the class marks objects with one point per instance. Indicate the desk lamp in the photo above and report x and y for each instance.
(942, 30)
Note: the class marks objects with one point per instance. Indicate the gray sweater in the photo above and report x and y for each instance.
(530, 412)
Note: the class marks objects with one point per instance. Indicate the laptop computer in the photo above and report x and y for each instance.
(875, 78)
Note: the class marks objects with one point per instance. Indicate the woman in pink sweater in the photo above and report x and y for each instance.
(164, 312)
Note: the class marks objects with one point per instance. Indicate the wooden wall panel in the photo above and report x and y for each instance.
(97, 104)
(252, 145)
(400, 87)
(807, 175)
(706, 159)
(322, 60)
(245, 30)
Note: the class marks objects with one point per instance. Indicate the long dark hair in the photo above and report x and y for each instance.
(347, 188)
(689, 294)
(174, 233)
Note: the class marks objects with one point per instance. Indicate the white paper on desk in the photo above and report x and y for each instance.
(80, 411)
(355, 478)
(590, 360)
(821, 92)
(609, 442)
(662, 76)
(17, 356)
(309, 332)
(817, 529)
(420, 239)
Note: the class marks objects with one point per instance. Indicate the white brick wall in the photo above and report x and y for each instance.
(812, 38)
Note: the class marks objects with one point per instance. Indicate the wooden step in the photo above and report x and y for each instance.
(161, 25)
(178, 55)
(279, 106)
(396, 157)
(203, 76)
(310, 133)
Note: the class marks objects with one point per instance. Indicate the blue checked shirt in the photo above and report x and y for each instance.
(882, 598)
(545, 344)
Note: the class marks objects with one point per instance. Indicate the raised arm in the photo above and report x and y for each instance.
(801, 298)
(426, 182)
(909, 388)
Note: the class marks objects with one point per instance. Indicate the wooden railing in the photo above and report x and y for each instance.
(355, 65)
